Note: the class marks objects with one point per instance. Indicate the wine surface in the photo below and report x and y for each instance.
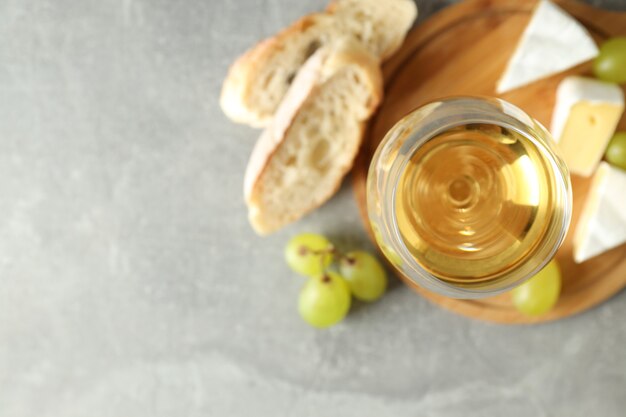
(474, 202)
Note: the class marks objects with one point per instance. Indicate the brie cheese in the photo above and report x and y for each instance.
(602, 224)
(585, 116)
(552, 42)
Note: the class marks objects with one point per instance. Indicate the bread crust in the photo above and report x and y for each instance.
(239, 82)
(240, 74)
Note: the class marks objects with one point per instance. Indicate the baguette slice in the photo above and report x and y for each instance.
(300, 159)
(259, 79)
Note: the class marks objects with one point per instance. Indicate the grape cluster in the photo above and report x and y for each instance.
(334, 278)
(610, 66)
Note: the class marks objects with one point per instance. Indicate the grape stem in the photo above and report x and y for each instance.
(331, 251)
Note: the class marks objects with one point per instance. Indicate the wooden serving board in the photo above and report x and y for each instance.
(463, 51)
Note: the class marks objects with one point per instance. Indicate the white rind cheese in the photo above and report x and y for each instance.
(574, 90)
(602, 224)
(552, 42)
(585, 117)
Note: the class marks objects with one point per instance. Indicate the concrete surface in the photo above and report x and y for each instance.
(132, 285)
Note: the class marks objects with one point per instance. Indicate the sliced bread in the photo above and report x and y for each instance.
(259, 79)
(300, 159)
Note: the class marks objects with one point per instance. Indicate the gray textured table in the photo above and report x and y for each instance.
(132, 285)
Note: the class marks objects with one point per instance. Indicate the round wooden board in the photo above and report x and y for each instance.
(463, 51)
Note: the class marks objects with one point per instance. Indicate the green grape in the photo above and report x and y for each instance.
(364, 274)
(324, 300)
(308, 254)
(616, 151)
(610, 64)
(540, 293)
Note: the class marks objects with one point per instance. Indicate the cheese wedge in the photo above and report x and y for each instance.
(552, 42)
(584, 119)
(602, 224)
